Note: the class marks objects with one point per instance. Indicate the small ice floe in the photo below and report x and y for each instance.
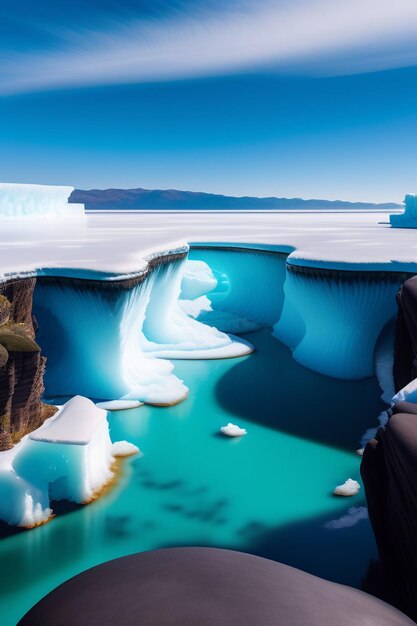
(360, 451)
(349, 488)
(124, 448)
(231, 430)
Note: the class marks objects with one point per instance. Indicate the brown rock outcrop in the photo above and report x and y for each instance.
(21, 365)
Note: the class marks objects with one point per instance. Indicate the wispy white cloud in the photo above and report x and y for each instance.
(321, 36)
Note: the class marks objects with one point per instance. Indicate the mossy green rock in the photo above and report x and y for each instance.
(16, 341)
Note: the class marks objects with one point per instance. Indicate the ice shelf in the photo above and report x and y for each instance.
(37, 202)
(110, 247)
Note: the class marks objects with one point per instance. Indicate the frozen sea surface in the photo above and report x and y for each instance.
(269, 493)
(119, 243)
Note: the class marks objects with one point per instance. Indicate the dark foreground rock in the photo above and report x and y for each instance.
(389, 472)
(206, 587)
(405, 359)
(389, 468)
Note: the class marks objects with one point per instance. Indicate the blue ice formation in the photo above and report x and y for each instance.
(332, 320)
(68, 458)
(408, 219)
(248, 291)
(37, 202)
(110, 340)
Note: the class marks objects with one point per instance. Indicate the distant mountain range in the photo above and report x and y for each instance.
(146, 199)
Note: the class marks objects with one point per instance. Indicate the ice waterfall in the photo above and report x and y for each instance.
(102, 338)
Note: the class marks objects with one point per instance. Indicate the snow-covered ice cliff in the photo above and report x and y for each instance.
(37, 202)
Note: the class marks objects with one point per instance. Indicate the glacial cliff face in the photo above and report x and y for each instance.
(21, 364)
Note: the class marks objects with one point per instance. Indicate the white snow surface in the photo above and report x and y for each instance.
(37, 202)
(75, 423)
(349, 488)
(121, 243)
(231, 430)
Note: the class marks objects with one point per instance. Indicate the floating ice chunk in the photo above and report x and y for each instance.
(408, 219)
(68, 457)
(119, 405)
(231, 430)
(354, 515)
(349, 488)
(37, 202)
(197, 280)
(124, 448)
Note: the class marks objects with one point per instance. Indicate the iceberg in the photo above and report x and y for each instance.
(37, 202)
(408, 219)
(69, 457)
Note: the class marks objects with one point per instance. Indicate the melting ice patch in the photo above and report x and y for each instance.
(353, 516)
(37, 202)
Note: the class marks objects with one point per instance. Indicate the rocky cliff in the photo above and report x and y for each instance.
(21, 364)
(389, 469)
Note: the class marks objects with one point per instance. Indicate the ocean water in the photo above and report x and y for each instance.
(269, 493)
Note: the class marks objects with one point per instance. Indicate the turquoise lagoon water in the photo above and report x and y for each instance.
(268, 493)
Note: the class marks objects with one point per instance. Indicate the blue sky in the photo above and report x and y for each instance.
(310, 98)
